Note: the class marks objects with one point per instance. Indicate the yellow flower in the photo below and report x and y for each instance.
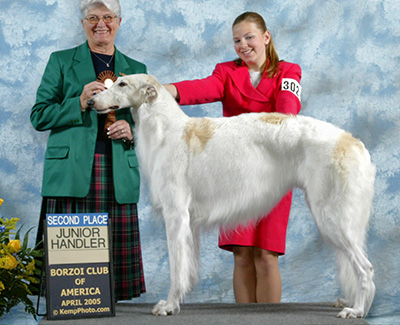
(16, 271)
(30, 268)
(15, 245)
(1, 202)
(9, 262)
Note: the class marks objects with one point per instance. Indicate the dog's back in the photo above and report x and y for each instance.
(232, 162)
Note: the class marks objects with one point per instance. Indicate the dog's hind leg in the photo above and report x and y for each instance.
(354, 269)
(183, 259)
(342, 218)
(356, 276)
(340, 195)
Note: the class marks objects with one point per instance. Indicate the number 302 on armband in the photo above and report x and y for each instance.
(293, 86)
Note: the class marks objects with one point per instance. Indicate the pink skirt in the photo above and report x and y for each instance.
(268, 233)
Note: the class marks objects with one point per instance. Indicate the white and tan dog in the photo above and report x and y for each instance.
(206, 172)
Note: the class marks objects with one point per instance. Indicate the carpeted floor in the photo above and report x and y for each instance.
(231, 314)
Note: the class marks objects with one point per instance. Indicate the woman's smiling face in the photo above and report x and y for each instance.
(101, 35)
(250, 42)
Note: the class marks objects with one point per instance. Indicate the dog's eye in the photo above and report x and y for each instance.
(122, 84)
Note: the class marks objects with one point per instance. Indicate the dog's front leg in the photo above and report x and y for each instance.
(183, 261)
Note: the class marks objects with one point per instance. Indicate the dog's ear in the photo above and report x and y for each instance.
(150, 93)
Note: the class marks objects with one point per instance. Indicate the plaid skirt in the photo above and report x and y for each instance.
(127, 256)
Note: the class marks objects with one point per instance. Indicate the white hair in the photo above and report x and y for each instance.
(112, 5)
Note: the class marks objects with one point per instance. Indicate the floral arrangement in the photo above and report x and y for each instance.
(17, 267)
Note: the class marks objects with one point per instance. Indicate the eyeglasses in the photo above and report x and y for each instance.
(95, 19)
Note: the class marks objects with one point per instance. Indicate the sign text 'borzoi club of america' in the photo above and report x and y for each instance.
(79, 266)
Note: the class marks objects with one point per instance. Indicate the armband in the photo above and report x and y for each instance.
(293, 86)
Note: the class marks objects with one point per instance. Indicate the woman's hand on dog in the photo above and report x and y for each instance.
(89, 90)
(119, 129)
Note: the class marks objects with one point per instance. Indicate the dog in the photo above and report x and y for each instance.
(209, 172)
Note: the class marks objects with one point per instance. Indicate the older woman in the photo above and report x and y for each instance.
(90, 162)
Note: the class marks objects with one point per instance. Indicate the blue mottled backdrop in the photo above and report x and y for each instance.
(350, 55)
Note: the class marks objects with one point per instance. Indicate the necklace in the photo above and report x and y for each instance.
(107, 64)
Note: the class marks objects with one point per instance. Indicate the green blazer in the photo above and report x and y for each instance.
(71, 143)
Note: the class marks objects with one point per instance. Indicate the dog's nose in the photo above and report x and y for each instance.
(90, 103)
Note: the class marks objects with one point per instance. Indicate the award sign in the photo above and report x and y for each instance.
(79, 277)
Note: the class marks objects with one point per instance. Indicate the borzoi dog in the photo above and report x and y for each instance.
(206, 172)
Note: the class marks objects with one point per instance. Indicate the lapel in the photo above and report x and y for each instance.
(84, 70)
(121, 66)
(241, 79)
(83, 65)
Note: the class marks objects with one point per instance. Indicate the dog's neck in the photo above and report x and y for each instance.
(153, 119)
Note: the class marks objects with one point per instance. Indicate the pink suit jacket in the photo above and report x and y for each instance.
(230, 84)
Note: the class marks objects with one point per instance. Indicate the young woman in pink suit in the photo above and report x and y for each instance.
(256, 82)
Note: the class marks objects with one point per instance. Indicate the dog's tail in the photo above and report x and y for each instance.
(355, 178)
(341, 204)
(354, 185)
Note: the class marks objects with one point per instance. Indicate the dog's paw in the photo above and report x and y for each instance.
(350, 313)
(163, 308)
(341, 303)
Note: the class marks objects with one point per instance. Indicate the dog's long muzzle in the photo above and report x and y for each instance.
(90, 103)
